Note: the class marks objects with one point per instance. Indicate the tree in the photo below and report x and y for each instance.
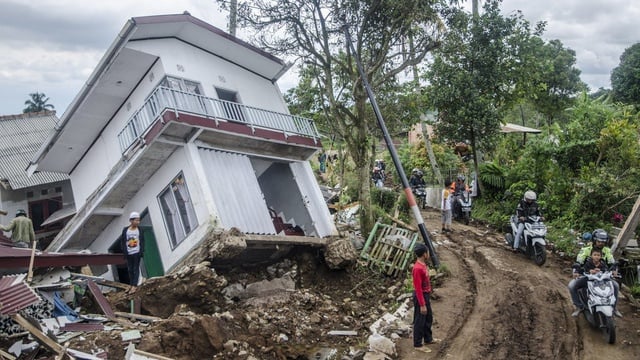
(473, 76)
(312, 31)
(38, 102)
(625, 79)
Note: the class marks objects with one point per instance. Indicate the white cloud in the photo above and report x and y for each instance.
(52, 46)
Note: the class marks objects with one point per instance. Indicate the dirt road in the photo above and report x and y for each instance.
(500, 305)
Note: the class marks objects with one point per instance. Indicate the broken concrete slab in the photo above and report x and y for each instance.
(340, 254)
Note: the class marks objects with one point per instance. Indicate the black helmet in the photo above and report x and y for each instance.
(21, 212)
(419, 249)
(461, 177)
(599, 235)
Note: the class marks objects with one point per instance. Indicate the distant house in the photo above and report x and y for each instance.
(185, 124)
(40, 195)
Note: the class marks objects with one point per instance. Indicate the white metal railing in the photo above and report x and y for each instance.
(165, 98)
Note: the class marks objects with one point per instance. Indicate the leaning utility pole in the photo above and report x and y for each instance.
(394, 155)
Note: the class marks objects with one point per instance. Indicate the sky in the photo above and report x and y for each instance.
(52, 46)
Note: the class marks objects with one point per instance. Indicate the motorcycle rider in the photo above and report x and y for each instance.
(457, 188)
(377, 177)
(528, 206)
(600, 239)
(416, 179)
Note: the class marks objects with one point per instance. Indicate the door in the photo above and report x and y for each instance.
(152, 260)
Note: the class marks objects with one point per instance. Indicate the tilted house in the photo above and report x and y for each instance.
(185, 124)
(41, 195)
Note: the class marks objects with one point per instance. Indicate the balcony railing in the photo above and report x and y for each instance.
(165, 98)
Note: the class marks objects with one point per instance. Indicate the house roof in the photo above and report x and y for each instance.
(513, 128)
(20, 138)
(123, 67)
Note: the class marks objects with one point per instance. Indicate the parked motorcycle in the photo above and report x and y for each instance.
(533, 241)
(599, 297)
(462, 207)
(420, 193)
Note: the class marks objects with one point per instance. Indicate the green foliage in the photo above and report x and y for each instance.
(635, 290)
(384, 198)
(625, 79)
(492, 176)
(38, 102)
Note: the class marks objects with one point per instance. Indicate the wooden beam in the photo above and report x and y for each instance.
(146, 318)
(627, 230)
(39, 335)
(33, 254)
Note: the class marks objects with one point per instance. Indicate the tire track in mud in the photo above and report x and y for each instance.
(507, 319)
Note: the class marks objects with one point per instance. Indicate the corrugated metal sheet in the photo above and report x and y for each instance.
(313, 200)
(15, 294)
(236, 192)
(84, 327)
(20, 139)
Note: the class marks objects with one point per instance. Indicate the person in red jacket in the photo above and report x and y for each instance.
(422, 314)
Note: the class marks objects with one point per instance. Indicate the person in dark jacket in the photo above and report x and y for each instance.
(132, 244)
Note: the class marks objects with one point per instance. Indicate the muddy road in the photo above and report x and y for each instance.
(500, 305)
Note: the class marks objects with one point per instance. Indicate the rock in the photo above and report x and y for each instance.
(379, 343)
(340, 254)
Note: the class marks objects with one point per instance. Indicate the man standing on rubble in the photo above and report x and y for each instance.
(132, 243)
(21, 228)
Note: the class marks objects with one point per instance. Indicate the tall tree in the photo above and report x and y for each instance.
(312, 32)
(472, 78)
(38, 102)
(625, 79)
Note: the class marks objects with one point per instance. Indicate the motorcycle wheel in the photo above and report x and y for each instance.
(467, 217)
(540, 255)
(610, 330)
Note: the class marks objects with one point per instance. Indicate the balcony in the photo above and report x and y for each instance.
(163, 99)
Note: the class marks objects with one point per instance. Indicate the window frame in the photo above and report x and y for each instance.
(185, 211)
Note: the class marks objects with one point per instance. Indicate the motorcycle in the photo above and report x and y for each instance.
(420, 194)
(533, 242)
(463, 206)
(599, 295)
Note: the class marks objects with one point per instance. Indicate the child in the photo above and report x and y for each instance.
(594, 264)
(422, 314)
(446, 207)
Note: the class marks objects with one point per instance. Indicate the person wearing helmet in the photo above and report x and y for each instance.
(600, 240)
(422, 313)
(459, 185)
(416, 179)
(528, 206)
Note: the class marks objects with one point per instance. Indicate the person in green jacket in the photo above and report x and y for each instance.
(600, 240)
(21, 228)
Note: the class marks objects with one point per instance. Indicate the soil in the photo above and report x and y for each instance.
(493, 305)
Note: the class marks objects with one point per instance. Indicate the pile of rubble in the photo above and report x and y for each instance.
(299, 308)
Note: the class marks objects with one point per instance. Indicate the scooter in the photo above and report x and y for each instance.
(464, 206)
(533, 241)
(599, 295)
(420, 194)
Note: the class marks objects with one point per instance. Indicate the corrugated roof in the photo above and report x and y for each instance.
(15, 294)
(20, 139)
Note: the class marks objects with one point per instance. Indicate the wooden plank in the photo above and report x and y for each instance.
(100, 299)
(33, 254)
(39, 335)
(141, 317)
(628, 229)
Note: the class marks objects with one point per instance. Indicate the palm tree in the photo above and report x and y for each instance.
(38, 102)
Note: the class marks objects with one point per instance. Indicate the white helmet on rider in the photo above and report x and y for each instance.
(530, 195)
(600, 237)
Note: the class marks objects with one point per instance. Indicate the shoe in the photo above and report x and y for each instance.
(515, 251)
(424, 349)
(617, 313)
(434, 341)
(577, 312)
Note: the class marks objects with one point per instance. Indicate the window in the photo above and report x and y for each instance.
(231, 107)
(185, 99)
(40, 210)
(177, 210)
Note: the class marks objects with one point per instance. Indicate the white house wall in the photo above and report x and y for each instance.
(146, 198)
(105, 152)
(313, 199)
(236, 192)
(185, 61)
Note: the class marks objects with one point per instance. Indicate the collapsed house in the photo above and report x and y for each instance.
(186, 125)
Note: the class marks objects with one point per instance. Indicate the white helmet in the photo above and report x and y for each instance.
(530, 195)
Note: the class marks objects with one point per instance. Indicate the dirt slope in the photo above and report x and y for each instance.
(499, 305)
